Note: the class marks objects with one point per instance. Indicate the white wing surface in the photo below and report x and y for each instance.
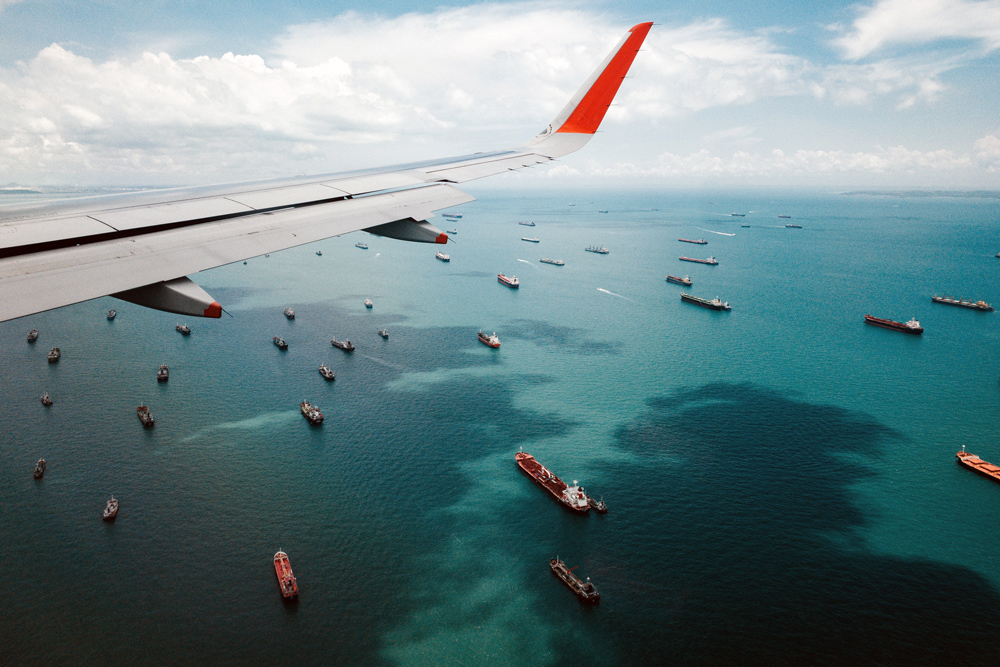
(142, 246)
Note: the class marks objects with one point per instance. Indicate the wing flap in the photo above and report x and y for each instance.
(290, 196)
(166, 214)
(472, 169)
(47, 230)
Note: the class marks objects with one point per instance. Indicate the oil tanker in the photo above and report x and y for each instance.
(912, 326)
(283, 568)
(573, 497)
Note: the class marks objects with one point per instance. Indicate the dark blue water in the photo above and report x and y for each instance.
(781, 477)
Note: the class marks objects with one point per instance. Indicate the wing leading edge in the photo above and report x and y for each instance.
(141, 246)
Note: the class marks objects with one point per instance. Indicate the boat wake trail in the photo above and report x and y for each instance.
(258, 422)
(601, 289)
(710, 231)
(531, 264)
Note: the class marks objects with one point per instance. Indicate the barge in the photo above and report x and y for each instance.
(584, 590)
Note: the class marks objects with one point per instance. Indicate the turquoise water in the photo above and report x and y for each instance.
(781, 477)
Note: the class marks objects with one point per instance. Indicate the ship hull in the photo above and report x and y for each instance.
(976, 464)
(286, 580)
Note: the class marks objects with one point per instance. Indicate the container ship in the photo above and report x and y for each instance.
(586, 591)
(508, 281)
(714, 304)
(973, 462)
(912, 327)
(698, 241)
(493, 341)
(710, 260)
(573, 497)
(686, 280)
(964, 303)
(286, 580)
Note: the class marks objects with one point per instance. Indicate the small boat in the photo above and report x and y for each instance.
(346, 345)
(319, 253)
(964, 303)
(791, 226)
(710, 260)
(599, 250)
(183, 329)
(598, 506)
(603, 211)
(714, 304)
(368, 303)
(162, 373)
(744, 225)
(529, 224)
(54, 355)
(289, 313)
(39, 468)
(111, 509)
(280, 342)
(384, 333)
(738, 215)
(534, 240)
(686, 280)
(311, 412)
(786, 217)
(46, 399)
(286, 581)
(33, 335)
(549, 260)
(584, 590)
(454, 216)
(325, 371)
(363, 246)
(912, 327)
(508, 281)
(112, 314)
(443, 257)
(452, 231)
(698, 241)
(493, 341)
(147, 419)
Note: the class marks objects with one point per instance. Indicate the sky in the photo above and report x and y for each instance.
(879, 94)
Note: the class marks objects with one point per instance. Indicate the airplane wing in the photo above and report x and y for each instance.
(141, 247)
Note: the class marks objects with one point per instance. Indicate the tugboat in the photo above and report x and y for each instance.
(162, 373)
(280, 342)
(714, 304)
(710, 260)
(583, 590)
(325, 371)
(534, 240)
(493, 341)
(527, 224)
(368, 303)
(598, 506)
(549, 260)
(286, 581)
(686, 280)
(183, 329)
(384, 333)
(46, 399)
(112, 314)
(699, 241)
(54, 355)
(572, 497)
(599, 250)
(147, 419)
(111, 509)
(443, 257)
(311, 412)
(964, 303)
(363, 246)
(912, 327)
(33, 335)
(289, 313)
(509, 282)
(39, 468)
(344, 345)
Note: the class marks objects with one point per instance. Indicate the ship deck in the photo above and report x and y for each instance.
(975, 463)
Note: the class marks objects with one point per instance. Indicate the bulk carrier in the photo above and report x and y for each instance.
(912, 327)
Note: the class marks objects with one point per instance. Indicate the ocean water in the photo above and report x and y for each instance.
(781, 477)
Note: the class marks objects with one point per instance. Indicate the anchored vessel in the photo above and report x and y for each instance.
(311, 412)
(368, 303)
(973, 462)
(147, 419)
(346, 345)
(790, 226)
(784, 216)
(319, 253)
(443, 257)
(33, 335)
(286, 581)
(686, 280)
(714, 304)
(163, 373)
(54, 355)
(363, 246)
(384, 333)
(534, 240)
(527, 224)
(573, 497)
(279, 342)
(452, 231)
(964, 303)
(39, 468)
(46, 399)
(451, 215)
(184, 329)
(710, 260)
(583, 589)
(493, 341)
(738, 215)
(549, 260)
(698, 241)
(111, 509)
(912, 326)
(598, 506)
(599, 250)
(289, 313)
(325, 371)
(509, 282)
(112, 314)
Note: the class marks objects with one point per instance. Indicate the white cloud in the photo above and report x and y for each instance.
(988, 152)
(921, 21)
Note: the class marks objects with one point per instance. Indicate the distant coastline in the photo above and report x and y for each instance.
(975, 194)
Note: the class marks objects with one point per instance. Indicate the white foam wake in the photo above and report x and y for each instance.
(601, 289)
(711, 231)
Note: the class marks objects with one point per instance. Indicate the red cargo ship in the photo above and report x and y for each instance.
(912, 326)
(283, 568)
(573, 497)
(508, 281)
(973, 462)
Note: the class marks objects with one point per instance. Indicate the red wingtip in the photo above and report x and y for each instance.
(214, 310)
(588, 114)
(442, 238)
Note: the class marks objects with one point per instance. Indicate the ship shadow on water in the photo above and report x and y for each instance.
(753, 553)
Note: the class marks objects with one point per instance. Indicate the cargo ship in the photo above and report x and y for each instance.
(163, 373)
(698, 241)
(573, 497)
(363, 246)
(384, 333)
(549, 260)
(738, 215)
(184, 329)
(311, 412)
(54, 355)
(368, 303)
(584, 590)
(289, 313)
(443, 257)
(46, 399)
(111, 509)
(286, 580)
(451, 215)
(112, 314)
(912, 327)
(790, 226)
(452, 231)
(493, 341)
(530, 240)
(527, 224)
(40, 468)
(599, 250)
(973, 462)
(147, 419)
(784, 216)
(714, 304)
(279, 342)
(710, 260)
(508, 281)
(964, 303)
(346, 346)
(686, 280)
(325, 371)
(33, 335)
